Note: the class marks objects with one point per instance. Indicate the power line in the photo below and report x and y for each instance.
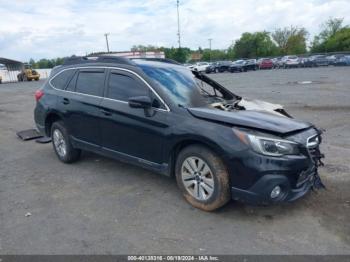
(178, 24)
(106, 36)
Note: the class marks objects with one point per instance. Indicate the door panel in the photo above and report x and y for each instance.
(128, 130)
(80, 103)
(82, 116)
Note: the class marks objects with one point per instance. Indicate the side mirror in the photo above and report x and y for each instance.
(140, 102)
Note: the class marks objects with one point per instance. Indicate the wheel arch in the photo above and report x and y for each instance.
(186, 142)
(49, 120)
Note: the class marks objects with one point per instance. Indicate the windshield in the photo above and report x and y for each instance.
(180, 83)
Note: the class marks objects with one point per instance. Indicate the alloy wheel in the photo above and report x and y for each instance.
(59, 143)
(197, 178)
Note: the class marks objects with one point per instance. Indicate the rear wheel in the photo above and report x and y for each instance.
(62, 144)
(202, 178)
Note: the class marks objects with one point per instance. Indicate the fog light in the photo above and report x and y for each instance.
(276, 191)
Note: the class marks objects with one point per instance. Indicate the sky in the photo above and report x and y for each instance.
(56, 28)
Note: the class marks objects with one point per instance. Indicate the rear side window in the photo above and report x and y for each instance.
(61, 80)
(122, 87)
(90, 82)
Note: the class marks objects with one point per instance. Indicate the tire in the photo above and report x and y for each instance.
(69, 154)
(213, 189)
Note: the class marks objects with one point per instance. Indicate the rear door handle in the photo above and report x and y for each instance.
(65, 101)
(106, 112)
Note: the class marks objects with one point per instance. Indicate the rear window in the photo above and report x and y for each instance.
(61, 80)
(90, 83)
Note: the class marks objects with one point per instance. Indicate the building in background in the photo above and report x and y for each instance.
(9, 69)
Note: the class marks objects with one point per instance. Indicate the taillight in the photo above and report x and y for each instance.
(38, 94)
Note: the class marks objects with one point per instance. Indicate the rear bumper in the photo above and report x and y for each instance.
(292, 64)
(266, 66)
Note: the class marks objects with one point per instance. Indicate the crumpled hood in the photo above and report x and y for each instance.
(259, 105)
(267, 121)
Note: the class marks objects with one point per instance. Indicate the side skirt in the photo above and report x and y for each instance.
(162, 169)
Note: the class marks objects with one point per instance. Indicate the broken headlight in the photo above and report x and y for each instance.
(268, 145)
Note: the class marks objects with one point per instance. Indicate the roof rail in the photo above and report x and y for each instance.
(163, 60)
(97, 59)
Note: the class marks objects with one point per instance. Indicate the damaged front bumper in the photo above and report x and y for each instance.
(290, 187)
(260, 192)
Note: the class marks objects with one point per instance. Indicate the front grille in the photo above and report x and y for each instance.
(313, 148)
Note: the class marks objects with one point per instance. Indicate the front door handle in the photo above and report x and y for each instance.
(106, 112)
(65, 101)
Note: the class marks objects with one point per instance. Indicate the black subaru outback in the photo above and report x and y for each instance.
(162, 116)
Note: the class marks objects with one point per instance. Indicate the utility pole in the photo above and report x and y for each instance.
(106, 36)
(210, 39)
(178, 24)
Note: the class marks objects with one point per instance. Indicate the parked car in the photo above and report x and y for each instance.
(303, 60)
(168, 119)
(331, 59)
(289, 61)
(222, 66)
(211, 68)
(342, 61)
(276, 61)
(265, 63)
(250, 64)
(318, 60)
(218, 67)
(200, 66)
(307, 62)
(238, 66)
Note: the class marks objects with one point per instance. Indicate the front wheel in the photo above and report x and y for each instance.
(62, 144)
(202, 177)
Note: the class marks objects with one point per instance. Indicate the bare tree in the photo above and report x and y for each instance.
(331, 27)
(290, 39)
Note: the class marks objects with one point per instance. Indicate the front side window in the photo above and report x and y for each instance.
(122, 87)
(90, 82)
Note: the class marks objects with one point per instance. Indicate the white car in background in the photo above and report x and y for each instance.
(290, 61)
(200, 66)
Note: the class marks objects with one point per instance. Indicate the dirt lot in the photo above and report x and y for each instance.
(102, 206)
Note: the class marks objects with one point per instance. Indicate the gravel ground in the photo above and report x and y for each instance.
(102, 206)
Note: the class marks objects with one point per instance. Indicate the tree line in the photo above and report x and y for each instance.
(292, 40)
